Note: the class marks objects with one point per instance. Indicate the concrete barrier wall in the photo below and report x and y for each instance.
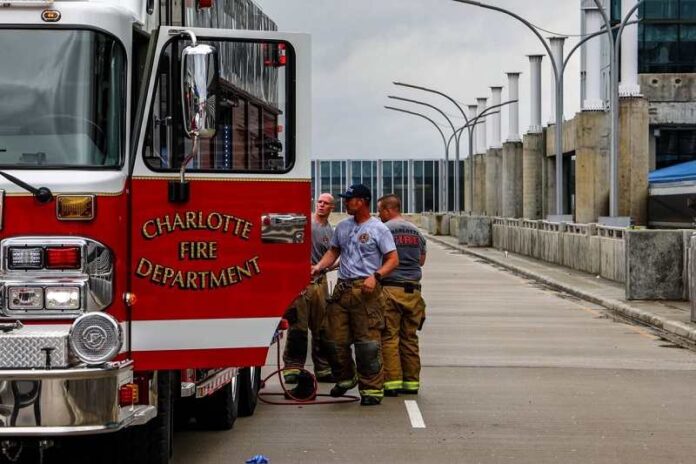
(652, 264)
(655, 265)
(583, 247)
(691, 263)
(454, 221)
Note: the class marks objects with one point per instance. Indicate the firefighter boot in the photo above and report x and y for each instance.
(342, 387)
(370, 401)
(304, 390)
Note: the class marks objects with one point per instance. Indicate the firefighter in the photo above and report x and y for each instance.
(307, 312)
(405, 311)
(355, 313)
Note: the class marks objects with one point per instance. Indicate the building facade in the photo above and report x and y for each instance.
(418, 182)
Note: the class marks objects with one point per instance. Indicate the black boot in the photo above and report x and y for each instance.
(370, 401)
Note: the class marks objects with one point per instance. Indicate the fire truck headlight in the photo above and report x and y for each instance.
(25, 298)
(62, 298)
(95, 338)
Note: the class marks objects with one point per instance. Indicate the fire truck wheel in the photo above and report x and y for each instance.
(249, 385)
(153, 441)
(219, 411)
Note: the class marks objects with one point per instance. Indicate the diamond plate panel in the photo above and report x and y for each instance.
(25, 348)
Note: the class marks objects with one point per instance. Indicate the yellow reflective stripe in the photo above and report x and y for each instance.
(393, 385)
(291, 371)
(411, 385)
(375, 393)
(323, 373)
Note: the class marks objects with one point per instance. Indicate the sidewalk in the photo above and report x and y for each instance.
(670, 318)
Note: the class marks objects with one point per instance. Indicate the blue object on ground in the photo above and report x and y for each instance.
(258, 459)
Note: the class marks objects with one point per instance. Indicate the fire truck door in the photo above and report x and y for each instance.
(216, 259)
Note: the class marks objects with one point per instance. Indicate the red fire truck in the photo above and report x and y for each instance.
(154, 196)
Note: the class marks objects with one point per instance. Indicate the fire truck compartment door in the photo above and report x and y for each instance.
(213, 276)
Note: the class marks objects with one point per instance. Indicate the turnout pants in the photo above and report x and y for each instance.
(306, 314)
(355, 318)
(405, 313)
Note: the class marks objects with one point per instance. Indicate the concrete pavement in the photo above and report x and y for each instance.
(513, 372)
(672, 319)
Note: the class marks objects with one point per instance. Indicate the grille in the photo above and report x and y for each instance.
(25, 348)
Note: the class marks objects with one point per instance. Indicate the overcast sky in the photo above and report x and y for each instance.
(361, 46)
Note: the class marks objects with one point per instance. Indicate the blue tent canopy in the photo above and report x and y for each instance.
(677, 173)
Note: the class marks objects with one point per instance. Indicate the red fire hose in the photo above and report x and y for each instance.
(289, 399)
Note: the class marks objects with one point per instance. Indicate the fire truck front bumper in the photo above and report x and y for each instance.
(60, 402)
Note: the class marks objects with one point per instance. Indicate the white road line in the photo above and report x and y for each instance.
(414, 414)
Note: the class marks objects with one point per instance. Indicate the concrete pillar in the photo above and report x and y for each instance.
(535, 94)
(473, 112)
(467, 195)
(482, 127)
(493, 181)
(549, 206)
(513, 108)
(556, 44)
(532, 154)
(471, 151)
(629, 85)
(480, 184)
(512, 179)
(593, 51)
(634, 158)
(591, 166)
(496, 120)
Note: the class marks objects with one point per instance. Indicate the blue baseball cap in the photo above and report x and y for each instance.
(357, 191)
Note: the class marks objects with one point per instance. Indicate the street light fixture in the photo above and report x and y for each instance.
(470, 126)
(442, 134)
(558, 77)
(449, 121)
(559, 68)
(457, 205)
(614, 50)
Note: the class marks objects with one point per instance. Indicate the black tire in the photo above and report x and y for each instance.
(249, 385)
(219, 411)
(152, 442)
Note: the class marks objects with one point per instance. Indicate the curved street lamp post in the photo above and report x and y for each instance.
(559, 72)
(457, 206)
(415, 113)
(456, 145)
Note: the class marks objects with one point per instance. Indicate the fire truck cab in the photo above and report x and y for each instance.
(154, 204)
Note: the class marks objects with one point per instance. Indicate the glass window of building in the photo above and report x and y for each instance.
(674, 146)
(400, 170)
(667, 36)
(418, 185)
(387, 177)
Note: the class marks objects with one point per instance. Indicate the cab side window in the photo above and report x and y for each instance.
(253, 103)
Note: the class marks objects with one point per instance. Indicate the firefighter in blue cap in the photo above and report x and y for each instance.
(355, 314)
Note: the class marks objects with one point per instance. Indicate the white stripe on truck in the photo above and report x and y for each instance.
(202, 334)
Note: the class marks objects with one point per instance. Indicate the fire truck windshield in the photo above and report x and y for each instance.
(63, 99)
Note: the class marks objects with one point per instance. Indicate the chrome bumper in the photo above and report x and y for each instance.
(67, 401)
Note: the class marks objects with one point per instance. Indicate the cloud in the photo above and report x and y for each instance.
(360, 47)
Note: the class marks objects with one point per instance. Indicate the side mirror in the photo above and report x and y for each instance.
(199, 76)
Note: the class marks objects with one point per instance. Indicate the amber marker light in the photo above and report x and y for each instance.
(130, 299)
(75, 207)
(50, 16)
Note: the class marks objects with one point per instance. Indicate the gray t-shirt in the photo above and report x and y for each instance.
(362, 246)
(321, 240)
(410, 244)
